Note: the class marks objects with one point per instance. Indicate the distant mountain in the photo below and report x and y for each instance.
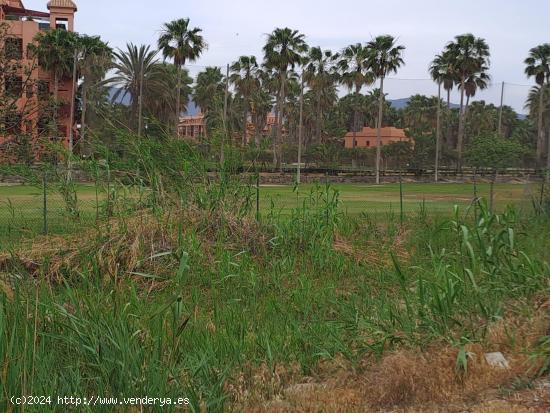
(403, 103)
(192, 109)
(126, 100)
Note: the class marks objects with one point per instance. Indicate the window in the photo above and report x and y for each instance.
(13, 48)
(62, 24)
(43, 89)
(14, 86)
(44, 27)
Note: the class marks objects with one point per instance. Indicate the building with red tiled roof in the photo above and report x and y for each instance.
(366, 138)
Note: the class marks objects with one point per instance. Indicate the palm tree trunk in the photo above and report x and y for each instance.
(449, 132)
(55, 98)
(300, 131)
(178, 99)
(460, 140)
(140, 101)
(55, 85)
(540, 139)
(354, 142)
(318, 120)
(275, 132)
(281, 116)
(379, 130)
(548, 157)
(245, 122)
(83, 114)
(438, 133)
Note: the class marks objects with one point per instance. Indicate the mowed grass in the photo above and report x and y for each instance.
(22, 214)
(381, 199)
(22, 211)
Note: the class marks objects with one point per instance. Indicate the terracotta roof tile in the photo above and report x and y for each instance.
(62, 3)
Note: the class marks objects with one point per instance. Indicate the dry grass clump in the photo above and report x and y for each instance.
(237, 233)
(119, 247)
(138, 244)
(408, 381)
(375, 253)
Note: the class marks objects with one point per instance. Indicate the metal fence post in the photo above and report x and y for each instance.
(401, 196)
(257, 196)
(541, 203)
(45, 203)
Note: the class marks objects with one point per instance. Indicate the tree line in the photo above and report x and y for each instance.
(147, 89)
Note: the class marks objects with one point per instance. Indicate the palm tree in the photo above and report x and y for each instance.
(320, 75)
(284, 49)
(161, 102)
(209, 90)
(244, 77)
(261, 104)
(443, 73)
(55, 52)
(469, 56)
(538, 66)
(94, 60)
(355, 74)
(384, 57)
(475, 82)
(181, 44)
(136, 72)
(540, 111)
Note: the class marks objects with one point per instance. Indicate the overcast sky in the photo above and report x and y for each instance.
(237, 27)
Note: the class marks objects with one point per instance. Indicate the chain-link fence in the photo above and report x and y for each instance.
(47, 206)
(52, 207)
(56, 201)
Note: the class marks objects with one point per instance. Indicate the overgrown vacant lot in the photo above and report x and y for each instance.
(308, 310)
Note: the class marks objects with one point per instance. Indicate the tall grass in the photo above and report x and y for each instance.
(184, 302)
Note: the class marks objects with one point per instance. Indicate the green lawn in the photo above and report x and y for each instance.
(21, 207)
(437, 198)
(22, 211)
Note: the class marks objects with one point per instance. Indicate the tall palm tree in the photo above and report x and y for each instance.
(538, 66)
(181, 44)
(444, 74)
(469, 56)
(475, 82)
(384, 56)
(320, 74)
(95, 58)
(161, 102)
(136, 72)
(244, 77)
(209, 90)
(284, 49)
(55, 52)
(540, 111)
(261, 104)
(355, 73)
